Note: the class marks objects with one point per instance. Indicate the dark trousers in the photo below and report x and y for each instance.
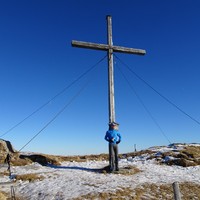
(113, 156)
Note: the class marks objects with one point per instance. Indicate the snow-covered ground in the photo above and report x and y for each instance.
(74, 179)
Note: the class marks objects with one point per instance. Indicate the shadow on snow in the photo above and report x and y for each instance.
(77, 168)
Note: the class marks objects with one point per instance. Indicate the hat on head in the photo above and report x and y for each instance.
(113, 124)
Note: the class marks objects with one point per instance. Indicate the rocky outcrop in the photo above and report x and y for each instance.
(5, 149)
(41, 159)
(17, 159)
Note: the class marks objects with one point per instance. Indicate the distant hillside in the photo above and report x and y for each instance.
(175, 154)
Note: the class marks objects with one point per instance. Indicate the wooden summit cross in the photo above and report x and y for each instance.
(110, 48)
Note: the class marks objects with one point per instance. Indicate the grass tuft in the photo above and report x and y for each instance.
(29, 177)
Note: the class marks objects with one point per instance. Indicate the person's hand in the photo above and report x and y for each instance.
(118, 142)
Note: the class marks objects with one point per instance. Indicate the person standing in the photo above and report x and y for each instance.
(113, 137)
(7, 160)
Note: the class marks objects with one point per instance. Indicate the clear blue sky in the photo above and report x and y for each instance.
(37, 62)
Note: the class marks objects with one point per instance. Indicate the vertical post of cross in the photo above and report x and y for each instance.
(111, 96)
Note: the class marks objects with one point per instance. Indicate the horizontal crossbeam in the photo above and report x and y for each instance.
(105, 47)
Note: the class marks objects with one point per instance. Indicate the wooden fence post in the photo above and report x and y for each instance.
(12, 193)
(177, 194)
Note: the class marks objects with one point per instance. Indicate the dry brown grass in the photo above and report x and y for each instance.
(84, 158)
(4, 173)
(189, 156)
(7, 196)
(155, 192)
(17, 161)
(189, 191)
(20, 162)
(126, 171)
(29, 177)
(192, 151)
(3, 196)
(119, 194)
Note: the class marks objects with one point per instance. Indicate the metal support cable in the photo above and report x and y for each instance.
(144, 106)
(165, 98)
(54, 118)
(58, 94)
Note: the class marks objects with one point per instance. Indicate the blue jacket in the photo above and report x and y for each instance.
(113, 136)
